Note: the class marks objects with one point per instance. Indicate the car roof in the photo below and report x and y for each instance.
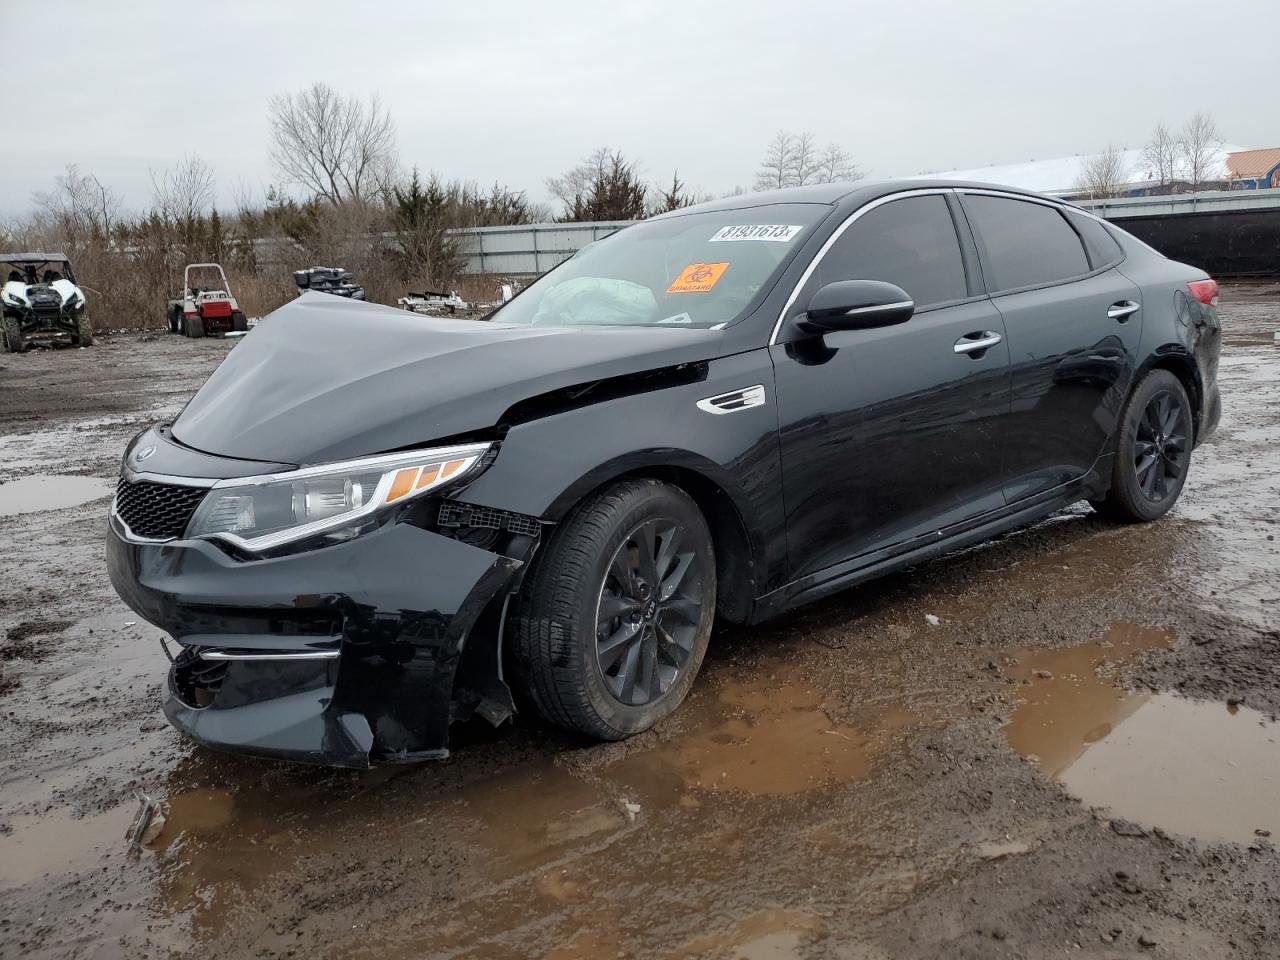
(836, 193)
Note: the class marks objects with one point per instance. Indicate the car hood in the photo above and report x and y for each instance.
(325, 378)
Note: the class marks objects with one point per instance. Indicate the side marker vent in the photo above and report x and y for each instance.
(734, 400)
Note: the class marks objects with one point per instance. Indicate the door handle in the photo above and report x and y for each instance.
(1123, 310)
(977, 342)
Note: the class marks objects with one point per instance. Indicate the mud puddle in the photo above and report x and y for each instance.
(764, 739)
(33, 494)
(37, 846)
(1197, 768)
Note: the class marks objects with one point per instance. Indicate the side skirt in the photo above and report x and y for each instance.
(850, 573)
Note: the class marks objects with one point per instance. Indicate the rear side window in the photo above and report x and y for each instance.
(1025, 244)
(1098, 243)
(910, 242)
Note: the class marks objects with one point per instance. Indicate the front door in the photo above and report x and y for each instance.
(892, 433)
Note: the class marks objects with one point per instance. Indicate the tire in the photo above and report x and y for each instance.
(1153, 451)
(174, 319)
(239, 322)
(193, 327)
(611, 677)
(84, 333)
(12, 336)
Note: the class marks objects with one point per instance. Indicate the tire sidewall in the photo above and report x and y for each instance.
(1126, 477)
(623, 718)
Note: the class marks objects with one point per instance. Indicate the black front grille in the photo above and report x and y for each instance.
(157, 511)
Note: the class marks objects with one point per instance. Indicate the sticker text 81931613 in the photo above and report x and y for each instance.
(773, 232)
(698, 278)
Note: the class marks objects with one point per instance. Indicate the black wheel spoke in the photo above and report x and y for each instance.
(613, 605)
(673, 579)
(669, 544)
(610, 650)
(687, 611)
(621, 571)
(671, 650)
(646, 540)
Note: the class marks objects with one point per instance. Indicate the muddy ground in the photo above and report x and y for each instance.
(1060, 743)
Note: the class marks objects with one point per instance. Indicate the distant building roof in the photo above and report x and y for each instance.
(1252, 163)
(1060, 176)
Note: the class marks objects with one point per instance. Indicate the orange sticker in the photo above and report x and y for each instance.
(698, 278)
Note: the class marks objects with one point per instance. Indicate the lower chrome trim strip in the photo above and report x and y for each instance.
(272, 655)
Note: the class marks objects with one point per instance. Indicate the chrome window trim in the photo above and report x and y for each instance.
(837, 233)
(1062, 207)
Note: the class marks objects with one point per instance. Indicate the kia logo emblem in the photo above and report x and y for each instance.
(143, 454)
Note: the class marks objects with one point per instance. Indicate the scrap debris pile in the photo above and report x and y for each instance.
(333, 280)
(433, 302)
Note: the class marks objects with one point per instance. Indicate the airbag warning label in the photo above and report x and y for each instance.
(698, 278)
(775, 232)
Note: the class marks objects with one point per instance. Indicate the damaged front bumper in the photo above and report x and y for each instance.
(341, 655)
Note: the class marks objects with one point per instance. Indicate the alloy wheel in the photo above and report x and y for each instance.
(1160, 446)
(648, 613)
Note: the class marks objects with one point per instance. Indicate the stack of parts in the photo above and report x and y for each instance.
(333, 280)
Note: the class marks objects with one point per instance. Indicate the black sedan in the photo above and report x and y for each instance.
(359, 532)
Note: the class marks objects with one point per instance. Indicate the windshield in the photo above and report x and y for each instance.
(696, 270)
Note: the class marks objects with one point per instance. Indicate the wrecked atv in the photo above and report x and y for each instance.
(41, 302)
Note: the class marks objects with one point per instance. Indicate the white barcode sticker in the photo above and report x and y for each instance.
(774, 232)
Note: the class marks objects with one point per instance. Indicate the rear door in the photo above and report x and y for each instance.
(894, 433)
(1073, 326)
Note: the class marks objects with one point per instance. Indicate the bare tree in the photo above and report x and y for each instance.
(184, 192)
(779, 161)
(1200, 146)
(805, 164)
(79, 205)
(337, 147)
(835, 165)
(1161, 155)
(604, 186)
(1102, 174)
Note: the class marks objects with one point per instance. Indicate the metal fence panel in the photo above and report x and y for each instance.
(531, 249)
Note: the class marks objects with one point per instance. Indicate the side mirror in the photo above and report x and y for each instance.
(856, 305)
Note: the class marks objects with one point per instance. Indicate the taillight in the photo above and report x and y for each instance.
(1206, 291)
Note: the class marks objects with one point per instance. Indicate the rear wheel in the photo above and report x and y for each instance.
(1153, 452)
(613, 621)
(14, 342)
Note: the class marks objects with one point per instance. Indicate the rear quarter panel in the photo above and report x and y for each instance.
(1177, 330)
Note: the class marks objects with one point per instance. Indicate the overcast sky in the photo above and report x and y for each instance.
(517, 91)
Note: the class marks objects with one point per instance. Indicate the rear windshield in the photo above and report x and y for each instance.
(695, 270)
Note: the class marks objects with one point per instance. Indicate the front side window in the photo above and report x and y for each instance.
(696, 270)
(909, 242)
(1025, 243)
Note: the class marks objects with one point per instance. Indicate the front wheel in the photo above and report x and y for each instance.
(613, 621)
(1153, 452)
(11, 334)
(84, 333)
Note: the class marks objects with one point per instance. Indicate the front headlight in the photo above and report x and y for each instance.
(260, 513)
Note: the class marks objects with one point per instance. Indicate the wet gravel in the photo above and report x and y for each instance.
(855, 780)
